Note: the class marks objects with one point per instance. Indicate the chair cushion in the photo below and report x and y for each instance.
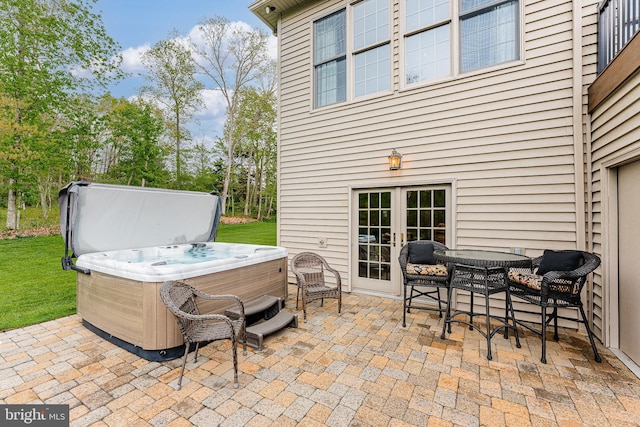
(534, 282)
(530, 280)
(559, 261)
(427, 269)
(421, 253)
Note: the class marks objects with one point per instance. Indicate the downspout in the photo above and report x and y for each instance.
(279, 132)
(578, 146)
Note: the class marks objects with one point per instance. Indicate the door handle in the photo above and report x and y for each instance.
(401, 239)
(394, 240)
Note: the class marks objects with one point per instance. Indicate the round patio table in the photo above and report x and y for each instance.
(481, 272)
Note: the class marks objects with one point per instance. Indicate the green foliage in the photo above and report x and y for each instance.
(51, 52)
(57, 125)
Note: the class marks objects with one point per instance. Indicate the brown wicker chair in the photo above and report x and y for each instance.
(310, 269)
(555, 289)
(197, 328)
(427, 285)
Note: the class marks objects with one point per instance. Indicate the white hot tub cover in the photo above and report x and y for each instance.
(102, 217)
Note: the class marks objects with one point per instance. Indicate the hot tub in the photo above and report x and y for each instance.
(119, 277)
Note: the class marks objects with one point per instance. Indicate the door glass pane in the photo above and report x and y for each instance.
(412, 199)
(363, 201)
(374, 235)
(439, 200)
(426, 215)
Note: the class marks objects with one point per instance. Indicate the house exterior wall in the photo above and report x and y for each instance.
(509, 139)
(615, 141)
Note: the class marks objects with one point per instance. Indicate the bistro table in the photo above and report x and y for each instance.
(482, 272)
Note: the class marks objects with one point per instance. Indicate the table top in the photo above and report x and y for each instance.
(482, 258)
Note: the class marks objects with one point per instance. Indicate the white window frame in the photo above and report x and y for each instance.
(350, 56)
(455, 41)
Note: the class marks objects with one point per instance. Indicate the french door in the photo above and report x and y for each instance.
(385, 219)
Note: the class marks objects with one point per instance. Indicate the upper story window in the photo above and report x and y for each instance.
(427, 41)
(367, 56)
(330, 61)
(371, 47)
(485, 34)
(352, 47)
(488, 33)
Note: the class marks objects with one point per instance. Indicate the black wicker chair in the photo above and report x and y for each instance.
(557, 281)
(422, 279)
(197, 328)
(310, 269)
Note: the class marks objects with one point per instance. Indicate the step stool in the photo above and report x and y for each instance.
(263, 318)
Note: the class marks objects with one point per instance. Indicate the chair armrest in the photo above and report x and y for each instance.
(226, 297)
(336, 273)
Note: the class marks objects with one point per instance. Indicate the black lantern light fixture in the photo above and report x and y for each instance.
(395, 160)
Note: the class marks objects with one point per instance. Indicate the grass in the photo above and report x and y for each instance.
(35, 288)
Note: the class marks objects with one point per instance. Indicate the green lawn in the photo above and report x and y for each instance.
(35, 289)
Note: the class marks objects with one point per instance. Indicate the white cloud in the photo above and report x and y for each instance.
(214, 102)
(132, 58)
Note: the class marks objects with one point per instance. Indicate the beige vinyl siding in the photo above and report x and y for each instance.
(615, 131)
(509, 151)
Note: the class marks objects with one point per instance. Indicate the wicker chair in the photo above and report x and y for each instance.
(422, 280)
(310, 269)
(197, 328)
(553, 289)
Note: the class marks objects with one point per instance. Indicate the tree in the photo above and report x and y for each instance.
(255, 127)
(232, 56)
(171, 74)
(136, 153)
(50, 50)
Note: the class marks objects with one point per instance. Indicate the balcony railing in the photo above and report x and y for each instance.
(618, 22)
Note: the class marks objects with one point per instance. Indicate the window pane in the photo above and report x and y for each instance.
(489, 38)
(423, 13)
(331, 82)
(372, 71)
(370, 22)
(428, 55)
(330, 36)
(330, 59)
(466, 5)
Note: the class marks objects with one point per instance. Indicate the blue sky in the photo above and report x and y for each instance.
(138, 24)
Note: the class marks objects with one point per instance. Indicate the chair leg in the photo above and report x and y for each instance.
(184, 362)
(244, 340)
(195, 357)
(513, 317)
(543, 335)
(447, 318)
(304, 308)
(404, 307)
(590, 334)
(471, 313)
(439, 304)
(556, 337)
(234, 348)
(297, 297)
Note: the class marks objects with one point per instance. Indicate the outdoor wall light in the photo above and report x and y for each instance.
(395, 160)
(269, 9)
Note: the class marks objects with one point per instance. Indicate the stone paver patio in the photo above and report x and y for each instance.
(358, 369)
